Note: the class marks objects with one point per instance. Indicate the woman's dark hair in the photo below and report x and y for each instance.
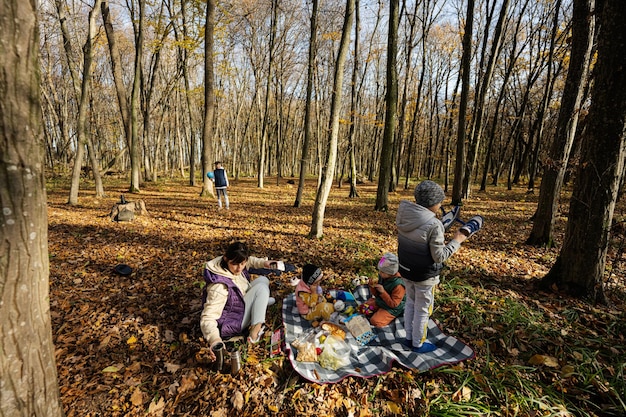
(237, 252)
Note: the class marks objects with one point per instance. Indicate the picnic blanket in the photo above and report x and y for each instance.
(377, 357)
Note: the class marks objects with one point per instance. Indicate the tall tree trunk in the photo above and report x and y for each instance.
(67, 44)
(459, 167)
(28, 371)
(135, 157)
(354, 99)
(479, 105)
(81, 128)
(328, 170)
(266, 121)
(580, 266)
(116, 69)
(308, 114)
(583, 29)
(384, 175)
(209, 99)
(539, 123)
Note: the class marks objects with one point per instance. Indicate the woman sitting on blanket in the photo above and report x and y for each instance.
(388, 294)
(310, 300)
(231, 301)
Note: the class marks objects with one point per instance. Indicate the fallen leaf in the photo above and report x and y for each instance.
(567, 371)
(156, 409)
(111, 368)
(462, 394)
(394, 408)
(171, 367)
(137, 398)
(237, 400)
(538, 360)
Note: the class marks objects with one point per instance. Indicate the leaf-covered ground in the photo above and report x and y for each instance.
(132, 346)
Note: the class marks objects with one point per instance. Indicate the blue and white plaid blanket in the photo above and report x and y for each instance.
(377, 356)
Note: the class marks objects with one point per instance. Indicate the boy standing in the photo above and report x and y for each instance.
(221, 184)
(421, 252)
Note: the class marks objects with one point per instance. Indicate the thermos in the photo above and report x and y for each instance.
(218, 349)
(235, 362)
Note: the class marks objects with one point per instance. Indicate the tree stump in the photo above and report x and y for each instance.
(124, 212)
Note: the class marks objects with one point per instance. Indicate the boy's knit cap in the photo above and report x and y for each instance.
(428, 193)
(388, 264)
(310, 273)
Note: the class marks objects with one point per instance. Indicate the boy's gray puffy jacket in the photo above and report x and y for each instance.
(421, 246)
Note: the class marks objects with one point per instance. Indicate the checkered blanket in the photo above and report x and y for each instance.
(377, 356)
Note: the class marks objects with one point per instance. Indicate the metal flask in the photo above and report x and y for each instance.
(235, 362)
(219, 350)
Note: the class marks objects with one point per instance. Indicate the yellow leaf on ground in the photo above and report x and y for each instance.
(137, 398)
(111, 368)
(538, 360)
(394, 408)
(131, 340)
(462, 394)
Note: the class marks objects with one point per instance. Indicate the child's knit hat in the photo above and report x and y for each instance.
(310, 273)
(388, 264)
(428, 193)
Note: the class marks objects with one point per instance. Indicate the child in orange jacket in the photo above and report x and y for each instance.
(388, 294)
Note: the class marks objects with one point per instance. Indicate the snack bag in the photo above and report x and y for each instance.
(360, 328)
(336, 353)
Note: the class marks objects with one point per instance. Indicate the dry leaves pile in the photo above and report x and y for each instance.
(127, 345)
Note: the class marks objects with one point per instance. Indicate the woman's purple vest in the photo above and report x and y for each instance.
(230, 321)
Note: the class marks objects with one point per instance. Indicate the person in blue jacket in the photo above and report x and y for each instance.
(221, 185)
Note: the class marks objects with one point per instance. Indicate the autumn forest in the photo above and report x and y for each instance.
(325, 115)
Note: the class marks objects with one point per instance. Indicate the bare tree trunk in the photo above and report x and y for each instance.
(354, 99)
(116, 69)
(479, 105)
(328, 170)
(580, 266)
(391, 101)
(266, 122)
(95, 166)
(209, 99)
(28, 371)
(81, 127)
(135, 157)
(308, 113)
(459, 167)
(583, 29)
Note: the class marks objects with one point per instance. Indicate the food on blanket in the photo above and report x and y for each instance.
(320, 311)
(322, 338)
(306, 352)
(336, 354)
(315, 323)
(366, 309)
(339, 305)
(334, 330)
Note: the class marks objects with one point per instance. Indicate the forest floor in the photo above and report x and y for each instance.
(128, 345)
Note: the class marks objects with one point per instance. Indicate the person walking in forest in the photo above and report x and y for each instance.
(221, 185)
(388, 293)
(421, 252)
(232, 303)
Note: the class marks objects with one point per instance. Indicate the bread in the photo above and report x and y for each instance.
(334, 329)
